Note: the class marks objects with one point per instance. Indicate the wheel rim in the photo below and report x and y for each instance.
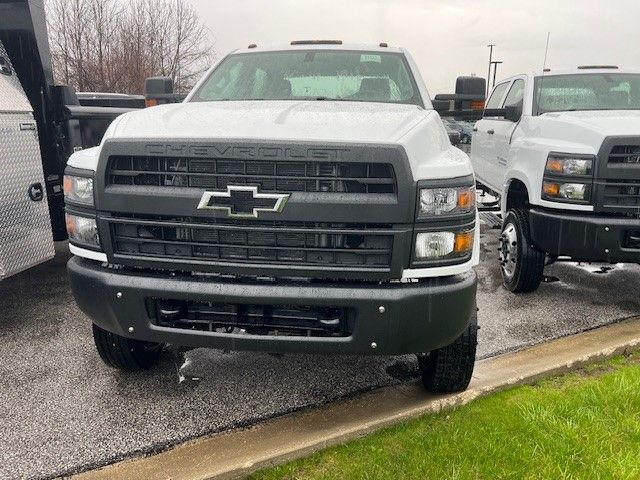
(509, 251)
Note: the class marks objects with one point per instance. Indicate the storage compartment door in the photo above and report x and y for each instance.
(25, 227)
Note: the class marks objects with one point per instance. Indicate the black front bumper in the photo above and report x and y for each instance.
(416, 317)
(586, 237)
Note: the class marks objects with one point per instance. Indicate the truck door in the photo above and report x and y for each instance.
(496, 166)
(25, 227)
(483, 140)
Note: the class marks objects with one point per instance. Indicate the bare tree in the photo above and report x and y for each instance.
(107, 45)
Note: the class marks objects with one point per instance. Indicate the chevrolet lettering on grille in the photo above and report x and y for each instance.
(240, 201)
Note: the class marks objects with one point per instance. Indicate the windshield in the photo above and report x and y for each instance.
(360, 76)
(594, 91)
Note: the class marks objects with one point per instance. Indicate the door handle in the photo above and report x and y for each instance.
(491, 132)
(475, 129)
(36, 192)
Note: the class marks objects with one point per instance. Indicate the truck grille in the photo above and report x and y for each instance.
(269, 175)
(273, 320)
(625, 154)
(280, 243)
(621, 193)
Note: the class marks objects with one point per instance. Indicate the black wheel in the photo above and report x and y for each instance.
(125, 353)
(521, 263)
(449, 369)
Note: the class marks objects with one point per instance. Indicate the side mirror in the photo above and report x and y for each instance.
(513, 112)
(441, 105)
(158, 86)
(157, 91)
(510, 112)
(471, 86)
(454, 138)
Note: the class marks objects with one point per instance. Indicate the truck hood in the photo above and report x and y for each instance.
(420, 132)
(323, 121)
(602, 123)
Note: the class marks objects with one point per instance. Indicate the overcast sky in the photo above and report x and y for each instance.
(447, 38)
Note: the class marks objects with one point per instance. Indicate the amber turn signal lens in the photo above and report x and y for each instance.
(465, 199)
(70, 221)
(67, 185)
(477, 105)
(551, 189)
(151, 102)
(463, 242)
(555, 165)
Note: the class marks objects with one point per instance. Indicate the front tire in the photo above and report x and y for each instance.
(449, 369)
(521, 264)
(124, 353)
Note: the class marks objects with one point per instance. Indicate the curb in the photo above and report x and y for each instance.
(238, 453)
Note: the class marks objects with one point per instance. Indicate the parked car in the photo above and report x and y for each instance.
(563, 150)
(304, 198)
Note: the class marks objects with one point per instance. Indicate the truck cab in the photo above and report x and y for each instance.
(562, 149)
(303, 198)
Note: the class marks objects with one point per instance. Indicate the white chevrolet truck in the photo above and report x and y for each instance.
(303, 198)
(563, 152)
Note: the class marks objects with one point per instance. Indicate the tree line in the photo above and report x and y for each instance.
(113, 46)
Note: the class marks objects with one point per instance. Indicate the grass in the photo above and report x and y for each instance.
(584, 425)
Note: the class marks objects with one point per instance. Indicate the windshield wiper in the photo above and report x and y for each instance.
(321, 98)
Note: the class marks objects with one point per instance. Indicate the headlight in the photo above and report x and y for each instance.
(566, 191)
(443, 245)
(568, 165)
(82, 230)
(78, 190)
(446, 201)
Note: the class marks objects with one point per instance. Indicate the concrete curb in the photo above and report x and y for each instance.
(238, 453)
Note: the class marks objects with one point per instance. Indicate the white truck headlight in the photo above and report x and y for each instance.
(78, 190)
(566, 191)
(446, 201)
(442, 245)
(568, 165)
(82, 230)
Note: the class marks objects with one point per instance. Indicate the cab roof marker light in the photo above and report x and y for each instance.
(316, 42)
(598, 67)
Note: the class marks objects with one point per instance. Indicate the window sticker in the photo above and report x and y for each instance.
(368, 57)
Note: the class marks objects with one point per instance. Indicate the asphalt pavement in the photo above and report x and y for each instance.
(63, 411)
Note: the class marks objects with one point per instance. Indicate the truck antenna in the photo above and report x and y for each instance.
(546, 51)
(544, 70)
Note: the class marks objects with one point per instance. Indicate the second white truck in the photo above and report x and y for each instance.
(563, 152)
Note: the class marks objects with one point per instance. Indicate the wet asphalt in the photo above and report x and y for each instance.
(63, 411)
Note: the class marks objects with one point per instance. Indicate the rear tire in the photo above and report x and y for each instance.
(521, 264)
(123, 353)
(449, 369)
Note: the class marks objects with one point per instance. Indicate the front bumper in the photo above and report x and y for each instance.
(585, 237)
(417, 317)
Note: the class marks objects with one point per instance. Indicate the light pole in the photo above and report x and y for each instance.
(491, 45)
(495, 69)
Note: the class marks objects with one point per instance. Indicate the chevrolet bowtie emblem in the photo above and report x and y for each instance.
(241, 201)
